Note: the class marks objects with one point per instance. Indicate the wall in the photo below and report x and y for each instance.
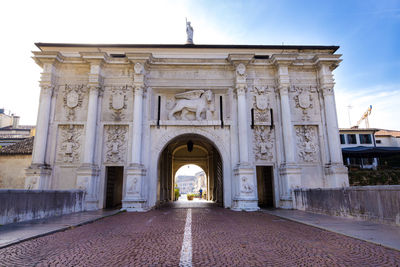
(12, 170)
(22, 205)
(375, 203)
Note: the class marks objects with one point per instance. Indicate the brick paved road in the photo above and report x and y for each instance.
(220, 237)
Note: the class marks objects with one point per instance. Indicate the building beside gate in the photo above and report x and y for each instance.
(119, 120)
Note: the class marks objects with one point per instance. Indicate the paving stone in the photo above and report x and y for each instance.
(220, 238)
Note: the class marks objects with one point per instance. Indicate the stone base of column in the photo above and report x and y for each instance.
(290, 177)
(337, 175)
(88, 179)
(246, 198)
(37, 177)
(133, 199)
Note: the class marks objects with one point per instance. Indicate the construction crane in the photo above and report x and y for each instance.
(365, 117)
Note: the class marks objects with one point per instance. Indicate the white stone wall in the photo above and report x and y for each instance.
(103, 112)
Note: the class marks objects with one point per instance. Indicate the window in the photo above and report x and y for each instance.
(365, 139)
(378, 141)
(351, 139)
(342, 140)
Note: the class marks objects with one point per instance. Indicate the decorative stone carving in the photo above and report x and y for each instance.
(241, 69)
(304, 100)
(138, 68)
(116, 143)
(69, 149)
(132, 185)
(307, 143)
(73, 97)
(261, 105)
(247, 187)
(263, 143)
(118, 100)
(241, 73)
(196, 101)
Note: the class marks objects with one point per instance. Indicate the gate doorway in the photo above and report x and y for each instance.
(265, 186)
(190, 149)
(114, 186)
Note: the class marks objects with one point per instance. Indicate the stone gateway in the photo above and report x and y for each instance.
(118, 121)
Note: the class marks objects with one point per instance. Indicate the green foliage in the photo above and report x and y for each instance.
(177, 194)
(374, 177)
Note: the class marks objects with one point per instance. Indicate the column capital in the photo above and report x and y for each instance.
(138, 90)
(283, 89)
(95, 88)
(46, 89)
(241, 89)
(327, 90)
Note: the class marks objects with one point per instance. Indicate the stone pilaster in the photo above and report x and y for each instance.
(244, 173)
(133, 195)
(335, 171)
(88, 172)
(39, 173)
(290, 173)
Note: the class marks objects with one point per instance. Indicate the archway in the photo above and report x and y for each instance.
(189, 149)
(191, 180)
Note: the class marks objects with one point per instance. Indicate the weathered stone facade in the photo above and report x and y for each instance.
(136, 106)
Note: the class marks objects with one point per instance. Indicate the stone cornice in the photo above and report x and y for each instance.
(325, 59)
(94, 57)
(236, 59)
(47, 57)
(140, 57)
(283, 59)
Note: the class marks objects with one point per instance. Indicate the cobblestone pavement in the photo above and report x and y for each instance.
(220, 237)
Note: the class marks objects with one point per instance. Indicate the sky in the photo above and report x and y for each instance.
(188, 169)
(368, 33)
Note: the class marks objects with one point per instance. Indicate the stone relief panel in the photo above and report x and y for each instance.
(72, 100)
(304, 103)
(194, 105)
(247, 186)
(118, 102)
(115, 143)
(263, 143)
(133, 185)
(70, 141)
(307, 143)
(262, 104)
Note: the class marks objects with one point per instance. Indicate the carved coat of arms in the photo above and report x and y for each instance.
(73, 96)
(118, 101)
(72, 99)
(262, 102)
(304, 99)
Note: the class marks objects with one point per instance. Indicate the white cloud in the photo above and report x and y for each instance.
(384, 99)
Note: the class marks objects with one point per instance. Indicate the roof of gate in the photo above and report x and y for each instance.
(184, 46)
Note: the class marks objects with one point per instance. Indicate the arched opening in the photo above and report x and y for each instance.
(191, 183)
(189, 149)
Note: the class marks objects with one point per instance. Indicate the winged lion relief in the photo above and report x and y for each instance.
(197, 102)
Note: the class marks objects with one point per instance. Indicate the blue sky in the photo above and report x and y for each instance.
(368, 33)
